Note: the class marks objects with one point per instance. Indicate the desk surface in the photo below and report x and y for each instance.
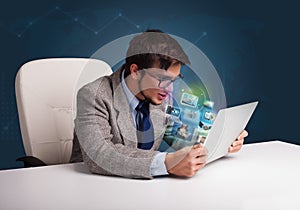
(261, 176)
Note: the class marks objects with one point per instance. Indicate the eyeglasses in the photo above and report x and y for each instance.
(164, 81)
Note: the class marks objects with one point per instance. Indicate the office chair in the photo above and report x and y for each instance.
(46, 99)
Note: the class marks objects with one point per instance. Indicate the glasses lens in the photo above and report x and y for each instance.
(165, 83)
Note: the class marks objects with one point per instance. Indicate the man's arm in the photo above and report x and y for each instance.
(187, 161)
(103, 151)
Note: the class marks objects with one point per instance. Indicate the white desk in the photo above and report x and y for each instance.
(260, 176)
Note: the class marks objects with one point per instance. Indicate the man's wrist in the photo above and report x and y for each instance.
(158, 166)
(168, 161)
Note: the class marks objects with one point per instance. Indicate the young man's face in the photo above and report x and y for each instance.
(155, 84)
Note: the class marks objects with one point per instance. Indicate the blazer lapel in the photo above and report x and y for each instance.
(123, 112)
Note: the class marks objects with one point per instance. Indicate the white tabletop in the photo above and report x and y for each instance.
(261, 176)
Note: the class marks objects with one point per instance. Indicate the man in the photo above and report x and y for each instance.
(120, 118)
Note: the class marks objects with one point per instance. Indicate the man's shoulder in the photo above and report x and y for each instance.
(101, 85)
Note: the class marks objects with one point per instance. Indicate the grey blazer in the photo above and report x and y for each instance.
(105, 134)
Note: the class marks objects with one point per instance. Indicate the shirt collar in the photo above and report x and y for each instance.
(132, 100)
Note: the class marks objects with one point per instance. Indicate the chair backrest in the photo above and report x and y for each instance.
(46, 92)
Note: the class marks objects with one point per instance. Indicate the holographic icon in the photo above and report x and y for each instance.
(189, 122)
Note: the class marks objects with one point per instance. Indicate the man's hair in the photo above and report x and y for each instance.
(151, 46)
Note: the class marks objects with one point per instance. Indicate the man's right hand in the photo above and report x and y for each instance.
(187, 161)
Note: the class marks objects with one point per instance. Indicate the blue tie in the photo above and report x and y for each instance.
(144, 126)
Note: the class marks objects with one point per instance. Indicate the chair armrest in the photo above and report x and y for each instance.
(30, 161)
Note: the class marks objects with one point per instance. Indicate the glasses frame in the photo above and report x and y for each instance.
(160, 80)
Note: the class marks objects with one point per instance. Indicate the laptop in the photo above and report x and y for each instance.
(229, 123)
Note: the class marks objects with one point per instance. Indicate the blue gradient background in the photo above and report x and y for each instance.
(254, 46)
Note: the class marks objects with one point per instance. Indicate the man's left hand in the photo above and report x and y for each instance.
(238, 143)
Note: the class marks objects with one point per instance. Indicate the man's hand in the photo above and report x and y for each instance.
(238, 143)
(187, 161)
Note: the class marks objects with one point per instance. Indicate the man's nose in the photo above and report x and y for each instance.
(169, 88)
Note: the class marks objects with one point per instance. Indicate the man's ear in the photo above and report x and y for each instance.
(134, 71)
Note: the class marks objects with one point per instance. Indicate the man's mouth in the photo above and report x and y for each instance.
(162, 96)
